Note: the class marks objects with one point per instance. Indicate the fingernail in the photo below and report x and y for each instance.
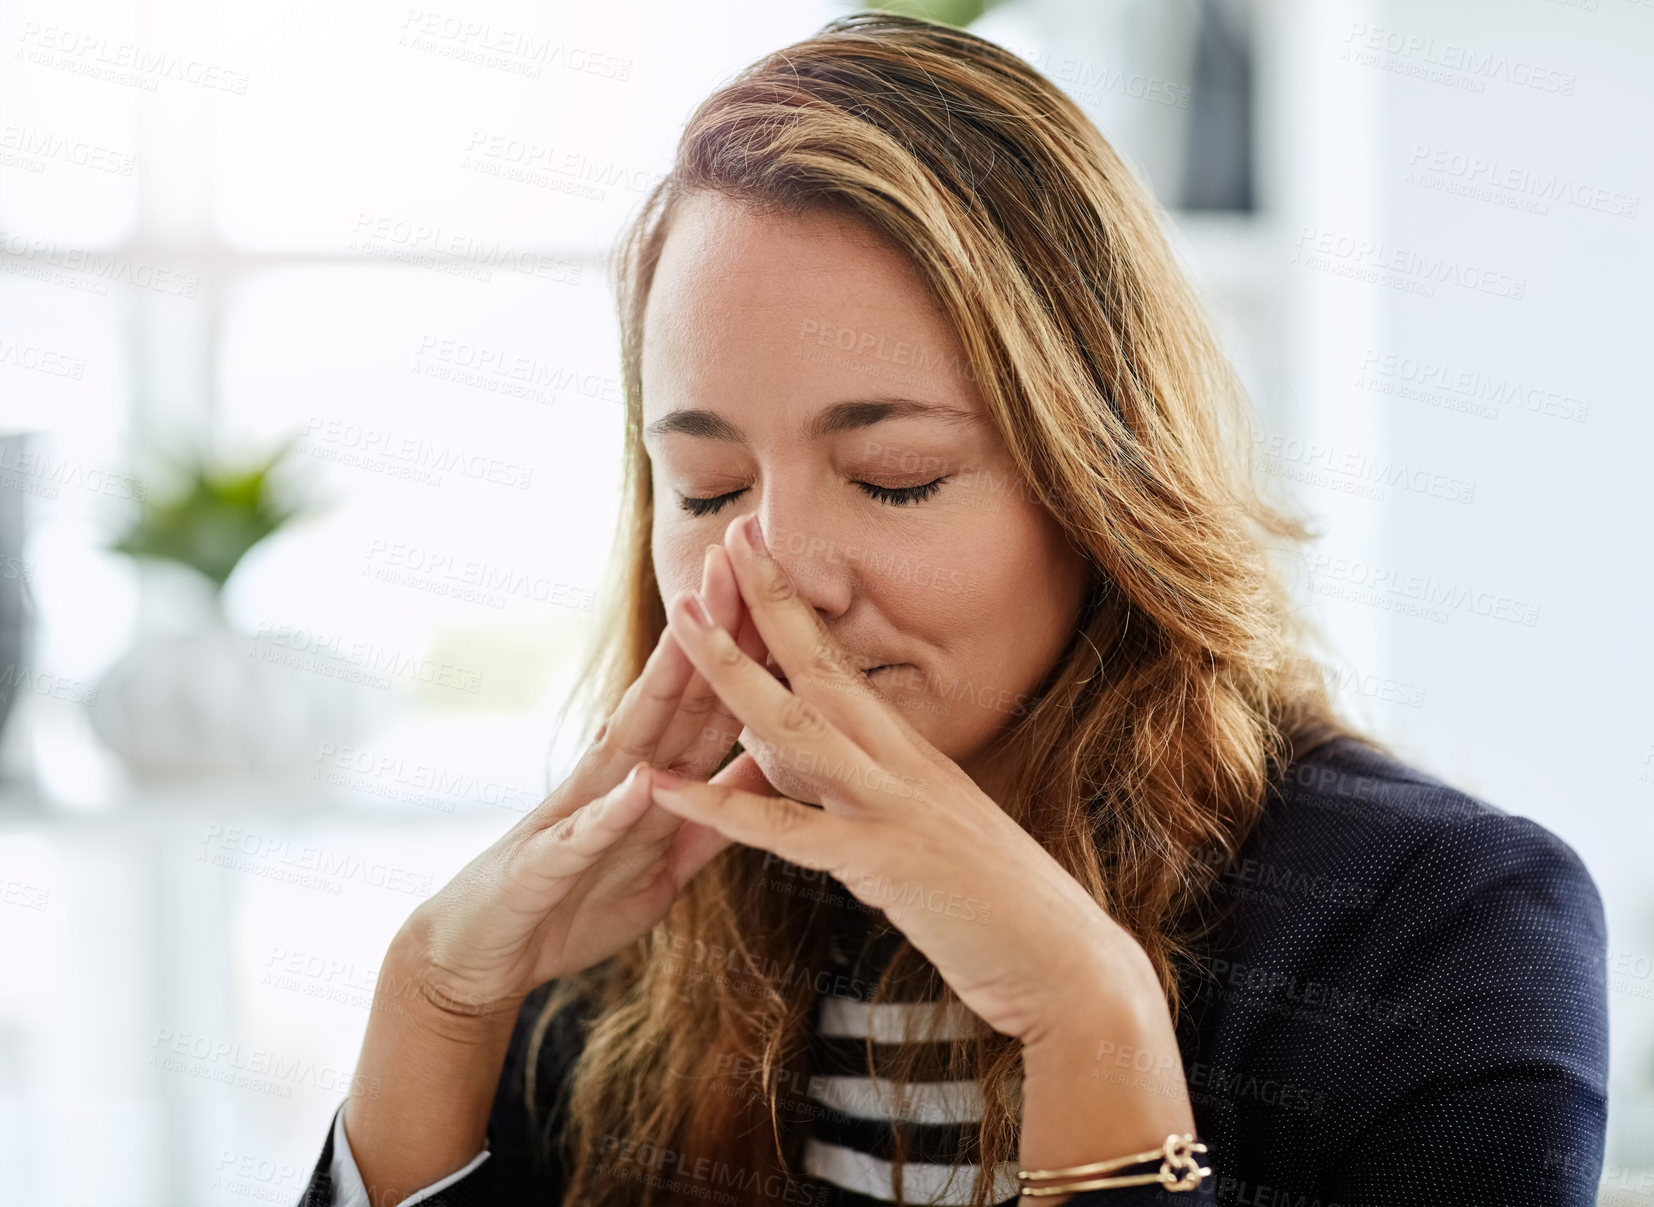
(670, 780)
(698, 611)
(754, 532)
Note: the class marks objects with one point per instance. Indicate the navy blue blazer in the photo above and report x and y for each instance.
(1404, 1003)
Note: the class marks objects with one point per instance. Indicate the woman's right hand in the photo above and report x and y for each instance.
(590, 869)
(596, 864)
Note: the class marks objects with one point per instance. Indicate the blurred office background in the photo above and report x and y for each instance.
(375, 232)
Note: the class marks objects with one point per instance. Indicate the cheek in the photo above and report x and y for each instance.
(998, 639)
(1037, 591)
(677, 561)
(1033, 568)
(969, 584)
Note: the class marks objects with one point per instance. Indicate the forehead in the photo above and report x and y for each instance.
(789, 313)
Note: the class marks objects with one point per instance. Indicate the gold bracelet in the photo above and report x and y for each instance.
(1178, 1171)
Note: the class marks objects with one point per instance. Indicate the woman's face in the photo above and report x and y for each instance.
(798, 368)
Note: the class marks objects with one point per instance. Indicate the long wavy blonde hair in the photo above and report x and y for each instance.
(1185, 688)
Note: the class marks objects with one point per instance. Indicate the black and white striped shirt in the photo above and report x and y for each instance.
(850, 1148)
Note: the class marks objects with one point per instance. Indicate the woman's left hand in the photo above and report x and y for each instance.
(901, 825)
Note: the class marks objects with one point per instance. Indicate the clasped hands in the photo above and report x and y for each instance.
(899, 824)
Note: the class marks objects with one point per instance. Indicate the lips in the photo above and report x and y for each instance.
(772, 668)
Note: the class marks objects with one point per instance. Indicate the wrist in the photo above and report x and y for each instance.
(1098, 982)
(429, 1070)
(419, 990)
(1103, 1075)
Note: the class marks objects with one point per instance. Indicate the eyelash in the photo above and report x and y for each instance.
(896, 496)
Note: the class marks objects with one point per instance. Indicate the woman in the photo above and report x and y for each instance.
(966, 803)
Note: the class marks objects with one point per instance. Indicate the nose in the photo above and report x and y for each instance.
(816, 557)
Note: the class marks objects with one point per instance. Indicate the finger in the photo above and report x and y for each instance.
(635, 728)
(632, 811)
(699, 700)
(719, 589)
(814, 838)
(722, 581)
(817, 666)
(573, 843)
(703, 731)
(799, 736)
(698, 844)
(747, 639)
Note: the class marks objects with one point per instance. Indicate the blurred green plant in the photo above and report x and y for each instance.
(215, 514)
(949, 12)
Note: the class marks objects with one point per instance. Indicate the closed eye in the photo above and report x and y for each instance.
(896, 496)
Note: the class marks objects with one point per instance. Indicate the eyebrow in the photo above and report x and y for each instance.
(840, 417)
